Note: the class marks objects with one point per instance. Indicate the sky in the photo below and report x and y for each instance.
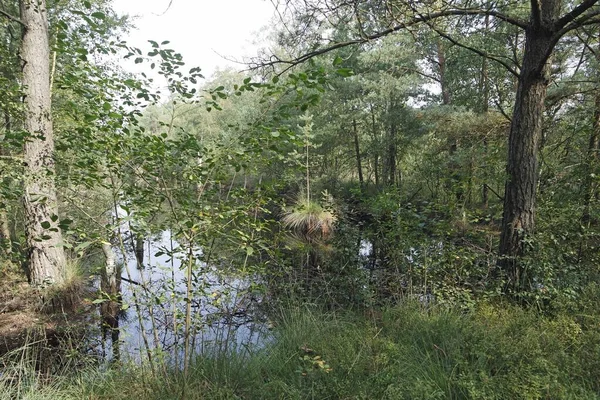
(203, 31)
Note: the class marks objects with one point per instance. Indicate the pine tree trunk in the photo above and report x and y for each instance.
(46, 259)
(518, 220)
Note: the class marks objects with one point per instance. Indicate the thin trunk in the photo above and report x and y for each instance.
(5, 237)
(139, 250)
(109, 310)
(442, 70)
(455, 174)
(518, 220)
(46, 258)
(485, 100)
(187, 355)
(376, 161)
(389, 165)
(357, 151)
(390, 174)
(5, 242)
(590, 191)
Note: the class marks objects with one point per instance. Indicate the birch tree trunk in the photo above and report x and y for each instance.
(46, 258)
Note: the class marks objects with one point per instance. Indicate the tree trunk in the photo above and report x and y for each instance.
(441, 53)
(109, 310)
(376, 161)
(525, 131)
(5, 242)
(590, 190)
(46, 258)
(484, 89)
(138, 245)
(5, 238)
(390, 162)
(357, 151)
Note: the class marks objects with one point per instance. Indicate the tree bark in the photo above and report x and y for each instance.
(46, 258)
(518, 221)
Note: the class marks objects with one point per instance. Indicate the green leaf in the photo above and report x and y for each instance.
(345, 72)
(82, 246)
(99, 15)
(46, 225)
(338, 61)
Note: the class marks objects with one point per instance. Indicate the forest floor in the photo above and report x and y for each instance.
(20, 314)
(29, 316)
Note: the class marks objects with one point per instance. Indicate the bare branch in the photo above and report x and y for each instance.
(476, 51)
(11, 17)
(166, 10)
(415, 21)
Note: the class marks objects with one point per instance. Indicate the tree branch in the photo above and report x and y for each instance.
(415, 21)
(11, 17)
(476, 51)
(583, 21)
(576, 12)
(493, 191)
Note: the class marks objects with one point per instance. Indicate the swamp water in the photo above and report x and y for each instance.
(225, 315)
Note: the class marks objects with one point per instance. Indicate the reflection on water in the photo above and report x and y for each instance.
(224, 315)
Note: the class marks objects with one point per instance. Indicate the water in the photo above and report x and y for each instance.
(225, 308)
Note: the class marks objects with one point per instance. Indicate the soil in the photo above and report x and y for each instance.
(27, 315)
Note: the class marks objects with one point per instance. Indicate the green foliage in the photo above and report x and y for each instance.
(404, 352)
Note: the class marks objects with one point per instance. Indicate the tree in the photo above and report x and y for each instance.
(46, 257)
(543, 28)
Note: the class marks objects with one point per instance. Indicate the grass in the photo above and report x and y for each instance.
(406, 352)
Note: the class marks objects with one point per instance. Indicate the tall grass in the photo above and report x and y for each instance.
(405, 352)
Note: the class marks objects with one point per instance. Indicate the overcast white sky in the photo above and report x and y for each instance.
(200, 29)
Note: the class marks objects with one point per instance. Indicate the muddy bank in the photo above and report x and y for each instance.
(29, 317)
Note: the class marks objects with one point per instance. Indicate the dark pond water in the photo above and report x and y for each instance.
(225, 314)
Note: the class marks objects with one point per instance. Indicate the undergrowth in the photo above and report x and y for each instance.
(496, 351)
